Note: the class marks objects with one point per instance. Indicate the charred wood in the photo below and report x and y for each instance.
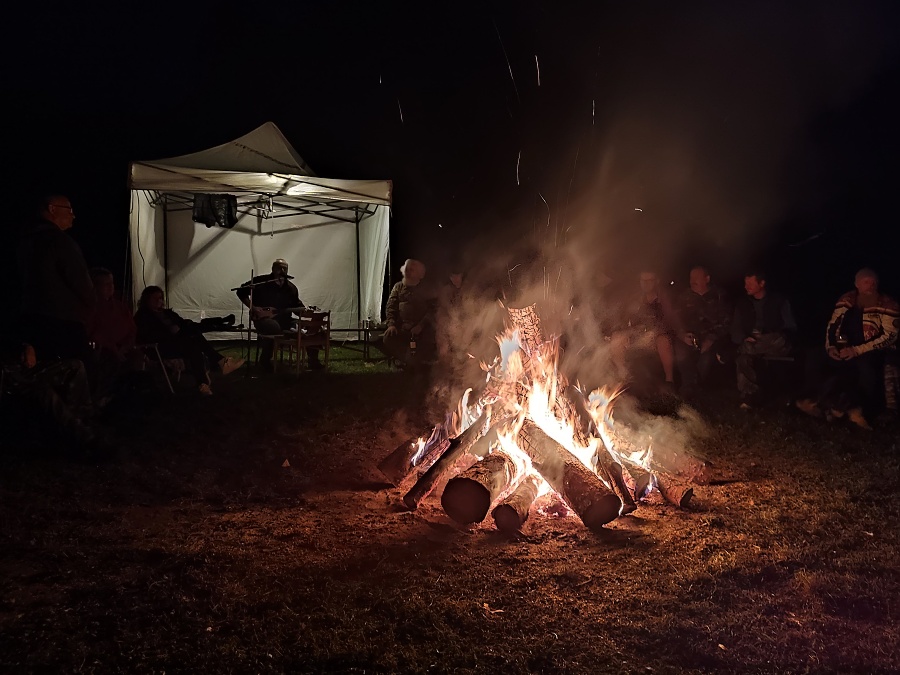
(510, 515)
(642, 478)
(467, 498)
(674, 490)
(607, 467)
(398, 465)
(611, 472)
(457, 451)
(582, 489)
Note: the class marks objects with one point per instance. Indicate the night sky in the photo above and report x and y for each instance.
(744, 132)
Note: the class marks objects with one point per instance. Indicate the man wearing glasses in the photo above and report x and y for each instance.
(57, 292)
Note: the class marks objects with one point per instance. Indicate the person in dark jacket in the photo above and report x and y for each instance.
(273, 299)
(706, 323)
(57, 293)
(178, 338)
(410, 317)
(763, 325)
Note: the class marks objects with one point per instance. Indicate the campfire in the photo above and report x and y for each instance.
(527, 433)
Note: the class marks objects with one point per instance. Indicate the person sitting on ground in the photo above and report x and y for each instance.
(410, 317)
(863, 328)
(57, 392)
(178, 338)
(273, 299)
(57, 294)
(705, 317)
(763, 325)
(651, 328)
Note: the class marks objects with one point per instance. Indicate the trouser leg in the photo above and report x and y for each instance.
(666, 355)
(397, 346)
(870, 382)
(746, 372)
(687, 358)
(267, 327)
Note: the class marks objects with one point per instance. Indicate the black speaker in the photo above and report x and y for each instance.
(215, 210)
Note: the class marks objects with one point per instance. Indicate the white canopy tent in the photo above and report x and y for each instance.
(333, 233)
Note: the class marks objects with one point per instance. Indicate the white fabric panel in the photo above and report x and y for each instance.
(204, 264)
(263, 149)
(165, 178)
(374, 241)
(146, 238)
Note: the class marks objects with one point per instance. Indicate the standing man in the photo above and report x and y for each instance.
(57, 293)
(763, 326)
(274, 299)
(705, 320)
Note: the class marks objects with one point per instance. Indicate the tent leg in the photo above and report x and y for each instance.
(358, 282)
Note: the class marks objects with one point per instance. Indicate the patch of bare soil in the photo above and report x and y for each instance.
(198, 551)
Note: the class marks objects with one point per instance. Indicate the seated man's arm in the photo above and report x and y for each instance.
(889, 317)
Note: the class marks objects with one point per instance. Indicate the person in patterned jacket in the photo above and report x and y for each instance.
(864, 326)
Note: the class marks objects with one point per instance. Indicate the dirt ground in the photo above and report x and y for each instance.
(198, 551)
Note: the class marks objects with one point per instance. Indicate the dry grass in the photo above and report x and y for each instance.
(198, 552)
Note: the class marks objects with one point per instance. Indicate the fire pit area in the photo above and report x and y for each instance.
(527, 440)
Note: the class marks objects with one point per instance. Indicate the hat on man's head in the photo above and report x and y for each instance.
(280, 266)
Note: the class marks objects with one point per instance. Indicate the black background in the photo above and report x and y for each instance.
(746, 132)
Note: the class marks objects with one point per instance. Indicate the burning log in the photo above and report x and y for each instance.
(607, 467)
(594, 503)
(643, 479)
(510, 515)
(678, 466)
(467, 498)
(528, 325)
(674, 490)
(458, 450)
(409, 455)
(611, 470)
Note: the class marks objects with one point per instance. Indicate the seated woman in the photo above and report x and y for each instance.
(178, 338)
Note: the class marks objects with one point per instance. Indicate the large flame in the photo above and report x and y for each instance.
(524, 380)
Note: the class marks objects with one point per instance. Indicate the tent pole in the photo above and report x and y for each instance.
(358, 281)
(166, 247)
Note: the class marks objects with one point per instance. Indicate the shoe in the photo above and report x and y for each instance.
(855, 415)
(204, 390)
(809, 407)
(229, 365)
(316, 365)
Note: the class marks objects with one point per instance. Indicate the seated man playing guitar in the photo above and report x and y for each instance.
(272, 300)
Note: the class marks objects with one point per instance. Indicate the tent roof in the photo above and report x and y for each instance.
(260, 163)
(263, 150)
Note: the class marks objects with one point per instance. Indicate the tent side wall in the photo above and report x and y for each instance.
(145, 230)
(204, 264)
(374, 241)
